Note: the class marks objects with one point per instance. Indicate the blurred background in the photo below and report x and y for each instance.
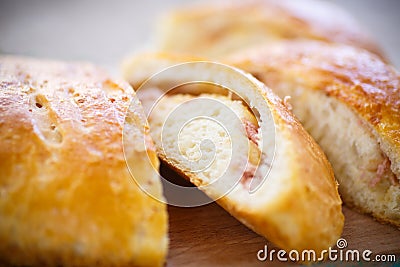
(105, 32)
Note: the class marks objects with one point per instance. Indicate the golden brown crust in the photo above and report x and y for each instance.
(311, 201)
(66, 195)
(216, 28)
(355, 77)
(149, 66)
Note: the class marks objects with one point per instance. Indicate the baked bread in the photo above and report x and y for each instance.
(349, 101)
(297, 206)
(66, 195)
(216, 28)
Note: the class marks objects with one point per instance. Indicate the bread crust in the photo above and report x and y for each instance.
(66, 195)
(308, 214)
(358, 79)
(217, 28)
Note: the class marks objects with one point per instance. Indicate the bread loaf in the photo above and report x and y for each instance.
(66, 195)
(217, 28)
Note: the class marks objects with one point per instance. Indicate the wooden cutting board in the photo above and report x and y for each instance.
(209, 236)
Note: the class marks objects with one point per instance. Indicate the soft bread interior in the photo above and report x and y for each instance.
(362, 169)
(287, 205)
(204, 140)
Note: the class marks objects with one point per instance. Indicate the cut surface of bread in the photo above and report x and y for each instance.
(216, 28)
(349, 101)
(204, 139)
(297, 206)
(66, 195)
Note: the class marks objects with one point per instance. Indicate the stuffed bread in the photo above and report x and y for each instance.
(66, 195)
(349, 101)
(297, 206)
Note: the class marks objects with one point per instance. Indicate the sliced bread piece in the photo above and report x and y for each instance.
(297, 206)
(349, 101)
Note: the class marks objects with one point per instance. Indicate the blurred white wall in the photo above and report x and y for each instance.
(105, 31)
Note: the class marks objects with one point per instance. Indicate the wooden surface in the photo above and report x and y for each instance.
(209, 236)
